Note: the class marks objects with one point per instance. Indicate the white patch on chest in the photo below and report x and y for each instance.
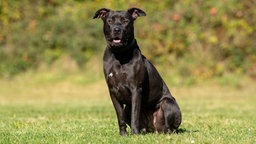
(110, 75)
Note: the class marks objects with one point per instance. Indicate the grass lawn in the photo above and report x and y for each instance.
(69, 111)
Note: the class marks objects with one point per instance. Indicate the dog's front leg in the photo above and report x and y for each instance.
(136, 106)
(120, 113)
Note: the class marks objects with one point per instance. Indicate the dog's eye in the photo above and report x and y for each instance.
(126, 21)
(110, 21)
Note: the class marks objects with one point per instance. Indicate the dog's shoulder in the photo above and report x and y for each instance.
(107, 55)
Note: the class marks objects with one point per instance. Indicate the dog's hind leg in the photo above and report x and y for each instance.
(158, 120)
(172, 115)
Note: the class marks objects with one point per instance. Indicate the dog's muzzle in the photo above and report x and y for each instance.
(117, 35)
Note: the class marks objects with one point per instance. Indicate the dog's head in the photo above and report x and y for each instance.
(118, 26)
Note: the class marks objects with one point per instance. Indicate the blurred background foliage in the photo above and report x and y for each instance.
(194, 38)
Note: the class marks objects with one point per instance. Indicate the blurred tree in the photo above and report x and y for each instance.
(209, 37)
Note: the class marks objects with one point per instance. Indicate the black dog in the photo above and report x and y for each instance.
(139, 95)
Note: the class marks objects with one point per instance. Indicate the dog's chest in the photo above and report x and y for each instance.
(117, 76)
(119, 80)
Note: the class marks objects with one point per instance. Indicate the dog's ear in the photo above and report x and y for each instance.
(101, 13)
(135, 12)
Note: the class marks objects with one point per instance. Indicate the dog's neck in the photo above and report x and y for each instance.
(125, 56)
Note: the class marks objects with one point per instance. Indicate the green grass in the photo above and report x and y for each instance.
(72, 111)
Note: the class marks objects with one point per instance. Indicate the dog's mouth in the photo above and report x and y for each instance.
(116, 40)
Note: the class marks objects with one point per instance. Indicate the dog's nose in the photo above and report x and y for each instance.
(117, 30)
